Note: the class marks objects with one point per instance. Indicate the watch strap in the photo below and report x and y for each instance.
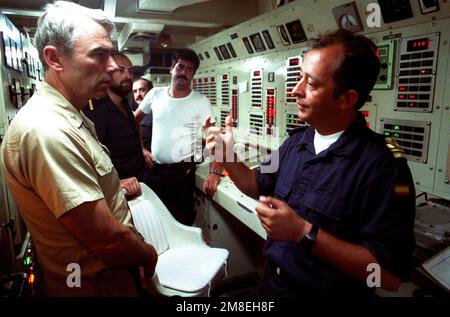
(310, 238)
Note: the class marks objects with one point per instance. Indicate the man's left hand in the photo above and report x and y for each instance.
(280, 221)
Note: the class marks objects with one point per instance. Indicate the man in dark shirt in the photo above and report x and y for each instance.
(141, 87)
(116, 127)
(340, 204)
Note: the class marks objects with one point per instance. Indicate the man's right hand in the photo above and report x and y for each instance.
(219, 144)
(149, 160)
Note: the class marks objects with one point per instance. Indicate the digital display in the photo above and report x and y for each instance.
(268, 39)
(417, 45)
(395, 10)
(247, 45)
(231, 49)
(257, 42)
(224, 51)
(294, 62)
(216, 50)
(296, 31)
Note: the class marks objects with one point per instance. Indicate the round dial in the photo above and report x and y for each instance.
(348, 22)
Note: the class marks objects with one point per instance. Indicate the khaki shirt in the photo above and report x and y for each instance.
(53, 163)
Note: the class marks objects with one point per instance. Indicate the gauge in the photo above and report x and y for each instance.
(348, 22)
(347, 17)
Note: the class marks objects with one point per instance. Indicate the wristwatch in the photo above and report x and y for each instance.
(310, 238)
(215, 171)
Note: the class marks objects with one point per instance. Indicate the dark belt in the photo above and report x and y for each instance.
(183, 165)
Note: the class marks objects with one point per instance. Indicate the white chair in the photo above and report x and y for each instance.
(186, 266)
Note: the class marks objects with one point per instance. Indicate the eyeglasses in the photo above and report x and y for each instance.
(122, 70)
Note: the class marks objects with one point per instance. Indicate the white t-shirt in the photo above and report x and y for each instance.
(323, 142)
(177, 124)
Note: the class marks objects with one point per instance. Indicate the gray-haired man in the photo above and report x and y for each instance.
(62, 179)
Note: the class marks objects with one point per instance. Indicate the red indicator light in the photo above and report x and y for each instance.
(294, 62)
(417, 45)
(195, 81)
(270, 91)
(412, 96)
(225, 76)
(401, 96)
(411, 104)
(213, 79)
(206, 80)
(257, 73)
(402, 88)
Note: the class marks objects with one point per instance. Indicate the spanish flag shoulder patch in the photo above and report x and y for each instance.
(401, 190)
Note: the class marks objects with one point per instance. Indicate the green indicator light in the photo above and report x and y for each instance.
(386, 133)
(396, 135)
(396, 127)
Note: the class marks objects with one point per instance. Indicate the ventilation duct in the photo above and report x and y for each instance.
(164, 6)
(138, 35)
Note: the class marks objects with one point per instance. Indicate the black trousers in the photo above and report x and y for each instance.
(276, 283)
(174, 184)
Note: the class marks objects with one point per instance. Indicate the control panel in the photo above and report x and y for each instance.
(416, 73)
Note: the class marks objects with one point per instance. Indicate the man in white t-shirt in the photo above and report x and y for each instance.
(179, 113)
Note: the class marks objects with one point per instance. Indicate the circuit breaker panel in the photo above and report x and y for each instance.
(20, 75)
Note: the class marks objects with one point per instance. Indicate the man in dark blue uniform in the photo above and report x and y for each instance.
(339, 209)
(117, 129)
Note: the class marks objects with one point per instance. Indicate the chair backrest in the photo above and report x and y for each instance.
(147, 222)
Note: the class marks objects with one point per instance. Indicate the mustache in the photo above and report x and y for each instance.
(128, 81)
(182, 77)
